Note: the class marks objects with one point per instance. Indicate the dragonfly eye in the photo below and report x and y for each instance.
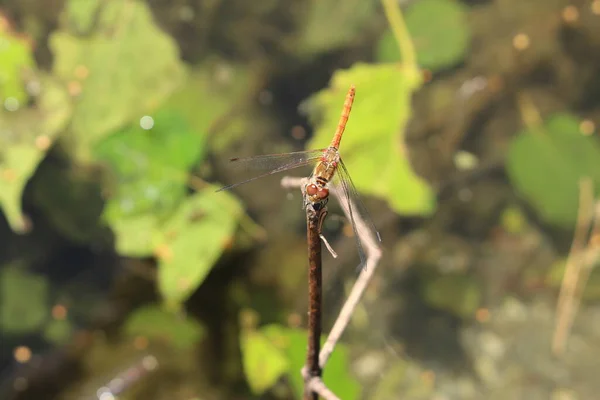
(323, 193)
(312, 189)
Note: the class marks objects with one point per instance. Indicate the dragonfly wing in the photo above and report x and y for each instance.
(275, 162)
(355, 206)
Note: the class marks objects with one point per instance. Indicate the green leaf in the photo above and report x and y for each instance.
(127, 67)
(545, 166)
(373, 147)
(193, 240)
(458, 294)
(156, 323)
(16, 59)
(330, 26)
(439, 31)
(336, 374)
(150, 176)
(23, 301)
(25, 136)
(58, 331)
(264, 362)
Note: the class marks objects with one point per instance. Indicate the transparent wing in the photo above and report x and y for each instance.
(355, 207)
(275, 162)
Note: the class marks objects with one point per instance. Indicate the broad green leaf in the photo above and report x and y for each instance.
(458, 294)
(150, 176)
(545, 166)
(127, 67)
(439, 31)
(25, 135)
(192, 240)
(156, 323)
(336, 372)
(331, 25)
(16, 59)
(23, 300)
(373, 148)
(264, 362)
(58, 331)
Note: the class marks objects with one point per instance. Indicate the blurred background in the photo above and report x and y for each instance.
(472, 141)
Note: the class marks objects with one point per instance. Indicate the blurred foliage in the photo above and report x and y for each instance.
(439, 31)
(373, 148)
(156, 323)
(25, 136)
(23, 300)
(545, 165)
(406, 378)
(58, 331)
(60, 190)
(118, 55)
(459, 294)
(150, 173)
(192, 240)
(513, 220)
(274, 350)
(330, 26)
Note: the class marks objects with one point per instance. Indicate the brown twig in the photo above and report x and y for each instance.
(314, 217)
(373, 252)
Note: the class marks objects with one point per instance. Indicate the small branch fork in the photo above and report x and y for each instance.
(313, 382)
(582, 257)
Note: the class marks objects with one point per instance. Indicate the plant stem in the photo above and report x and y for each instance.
(405, 44)
(315, 291)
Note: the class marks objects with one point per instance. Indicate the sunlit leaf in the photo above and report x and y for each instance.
(546, 164)
(149, 169)
(264, 362)
(336, 372)
(23, 300)
(156, 323)
(439, 31)
(25, 136)
(15, 60)
(373, 147)
(127, 67)
(193, 239)
(331, 24)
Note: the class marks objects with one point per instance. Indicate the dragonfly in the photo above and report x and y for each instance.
(329, 166)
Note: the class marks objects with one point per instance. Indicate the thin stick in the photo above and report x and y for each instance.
(315, 295)
(566, 305)
(373, 252)
(373, 255)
